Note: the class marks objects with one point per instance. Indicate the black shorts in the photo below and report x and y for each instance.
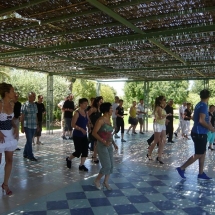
(200, 142)
(132, 121)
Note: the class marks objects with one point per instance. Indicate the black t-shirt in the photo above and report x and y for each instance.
(41, 109)
(212, 118)
(17, 109)
(70, 105)
(188, 114)
(94, 117)
(168, 110)
(120, 111)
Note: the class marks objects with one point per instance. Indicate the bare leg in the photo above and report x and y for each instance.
(161, 143)
(122, 135)
(201, 163)
(8, 166)
(106, 179)
(156, 140)
(129, 128)
(82, 160)
(98, 178)
(191, 160)
(141, 127)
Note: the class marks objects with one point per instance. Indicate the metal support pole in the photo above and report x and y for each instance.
(144, 96)
(49, 105)
(98, 87)
(147, 106)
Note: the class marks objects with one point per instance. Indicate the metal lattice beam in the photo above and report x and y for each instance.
(24, 68)
(110, 40)
(119, 18)
(19, 7)
(70, 16)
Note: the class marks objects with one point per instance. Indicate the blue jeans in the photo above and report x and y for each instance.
(29, 133)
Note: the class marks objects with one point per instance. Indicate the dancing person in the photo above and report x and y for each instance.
(94, 114)
(68, 108)
(8, 131)
(187, 118)
(41, 111)
(17, 113)
(114, 106)
(79, 123)
(60, 105)
(103, 133)
(181, 119)
(169, 121)
(159, 128)
(211, 135)
(140, 112)
(29, 124)
(199, 136)
(120, 120)
(132, 120)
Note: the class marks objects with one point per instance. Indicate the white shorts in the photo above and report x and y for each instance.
(158, 127)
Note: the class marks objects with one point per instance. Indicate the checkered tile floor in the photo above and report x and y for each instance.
(139, 186)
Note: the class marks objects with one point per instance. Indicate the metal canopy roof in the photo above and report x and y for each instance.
(110, 39)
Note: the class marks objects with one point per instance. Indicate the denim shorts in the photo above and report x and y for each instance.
(200, 142)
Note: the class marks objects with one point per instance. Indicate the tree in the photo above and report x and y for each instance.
(108, 93)
(84, 89)
(177, 90)
(198, 85)
(4, 74)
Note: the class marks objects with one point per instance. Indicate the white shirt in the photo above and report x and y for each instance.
(140, 107)
(114, 106)
(61, 103)
(181, 111)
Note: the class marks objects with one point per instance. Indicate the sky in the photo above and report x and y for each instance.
(118, 86)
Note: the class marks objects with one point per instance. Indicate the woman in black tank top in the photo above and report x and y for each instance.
(94, 114)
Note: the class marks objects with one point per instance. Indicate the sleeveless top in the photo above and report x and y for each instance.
(10, 143)
(82, 123)
(133, 112)
(5, 120)
(160, 121)
(94, 117)
(105, 132)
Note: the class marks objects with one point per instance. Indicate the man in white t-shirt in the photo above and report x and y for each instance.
(140, 114)
(114, 106)
(181, 119)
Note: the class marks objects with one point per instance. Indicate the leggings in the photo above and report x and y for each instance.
(120, 124)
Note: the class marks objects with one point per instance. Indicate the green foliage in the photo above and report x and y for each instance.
(176, 90)
(198, 85)
(108, 93)
(83, 89)
(4, 74)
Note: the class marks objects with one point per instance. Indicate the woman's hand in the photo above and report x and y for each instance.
(2, 136)
(83, 131)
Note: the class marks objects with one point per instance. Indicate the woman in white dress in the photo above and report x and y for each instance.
(8, 131)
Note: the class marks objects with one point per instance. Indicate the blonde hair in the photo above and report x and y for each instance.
(4, 88)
